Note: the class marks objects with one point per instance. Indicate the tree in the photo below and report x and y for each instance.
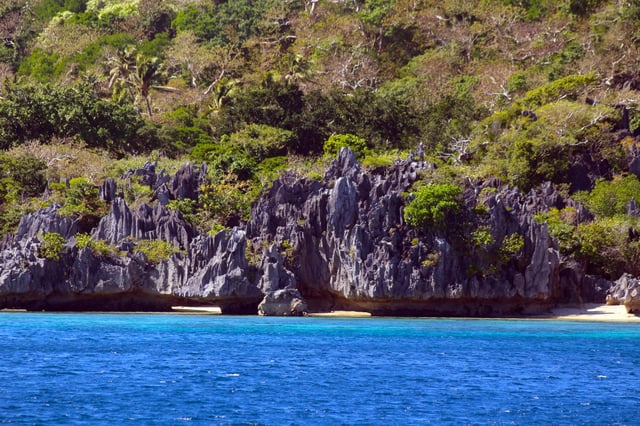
(41, 112)
(133, 74)
(205, 64)
(610, 198)
(147, 73)
(21, 176)
(432, 204)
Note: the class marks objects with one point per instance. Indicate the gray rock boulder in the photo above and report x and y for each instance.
(625, 291)
(283, 303)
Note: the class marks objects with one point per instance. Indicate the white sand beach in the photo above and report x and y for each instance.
(203, 310)
(587, 312)
(345, 314)
(593, 312)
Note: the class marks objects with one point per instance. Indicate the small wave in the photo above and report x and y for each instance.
(232, 374)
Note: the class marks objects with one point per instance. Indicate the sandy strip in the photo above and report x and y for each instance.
(209, 310)
(593, 312)
(345, 314)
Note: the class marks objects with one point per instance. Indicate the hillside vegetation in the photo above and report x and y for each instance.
(523, 91)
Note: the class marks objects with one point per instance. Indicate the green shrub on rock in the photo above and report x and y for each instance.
(432, 204)
(610, 198)
(156, 251)
(80, 197)
(52, 246)
(561, 227)
(610, 246)
(357, 144)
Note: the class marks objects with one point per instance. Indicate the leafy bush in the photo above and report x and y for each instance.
(607, 247)
(561, 227)
(566, 88)
(227, 204)
(432, 204)
(156, 251)
(99, 247)
(104, 249)
(511, 246)
(42, 112)
(211, 21)
(531, 146)
(52, 246)
(260, 141)
(482, 237)
(186, 207)
(610, 198)
(21, 176)
(273, 103)
(83, 240)
(47, 9)
(80, 197)
(240, 153)
(357, 144)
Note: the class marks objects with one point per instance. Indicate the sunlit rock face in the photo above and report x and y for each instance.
(338, 243)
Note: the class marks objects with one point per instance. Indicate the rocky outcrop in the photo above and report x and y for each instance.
(349, 247)
(146, 222)
(44, 221)
(208, 269)
(336, 243)
(625, 291)
(283, 303)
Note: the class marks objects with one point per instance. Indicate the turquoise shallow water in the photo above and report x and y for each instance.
(181, 369)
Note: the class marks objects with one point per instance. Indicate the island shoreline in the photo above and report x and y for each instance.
(589, 312)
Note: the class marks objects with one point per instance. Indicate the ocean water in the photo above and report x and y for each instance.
(153, 369)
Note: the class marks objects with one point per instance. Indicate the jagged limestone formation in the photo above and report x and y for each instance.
(338, 243)
(350, 248)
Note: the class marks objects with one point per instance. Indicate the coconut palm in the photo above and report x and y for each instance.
(133, 75)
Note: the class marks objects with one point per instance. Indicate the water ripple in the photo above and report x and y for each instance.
(171, 369)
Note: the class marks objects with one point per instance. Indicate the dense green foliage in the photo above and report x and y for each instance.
(523, 91)
(156, 251)
(610, 198)
(335, 142)
(52, 246)
(432, 205)
(79, 197)
(21, 176)
(29, 112)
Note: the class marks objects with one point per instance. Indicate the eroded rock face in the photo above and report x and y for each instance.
(351, 249)
(146, 222)
(45, 221)
(210, 269)
(336, 243)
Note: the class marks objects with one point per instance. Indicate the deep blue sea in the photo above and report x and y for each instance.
(153, 369)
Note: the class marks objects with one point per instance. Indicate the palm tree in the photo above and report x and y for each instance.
(147, 73)
(121, 66)
(220, 91)
(132, 76)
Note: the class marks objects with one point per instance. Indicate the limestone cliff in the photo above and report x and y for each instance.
(348, 247)
(336, 243)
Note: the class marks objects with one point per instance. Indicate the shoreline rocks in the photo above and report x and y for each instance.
(339, 243)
